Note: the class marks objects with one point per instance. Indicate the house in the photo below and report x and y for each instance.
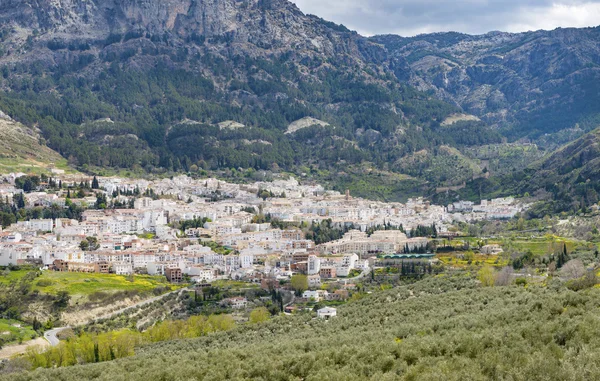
(315, 295)
(328, 272)
(326, 313)
(314, 281)
(310, 295)
(314, 265)
(123, 268)
(339, 295)
(174, 275)
(101, 267)
(201, 274)
(269, 283)
(60, 265)
(235, 303)
(491, 249)
(290, 309)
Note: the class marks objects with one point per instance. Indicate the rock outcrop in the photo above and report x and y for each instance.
(535, 82)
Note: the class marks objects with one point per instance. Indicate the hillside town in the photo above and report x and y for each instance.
(202, 230)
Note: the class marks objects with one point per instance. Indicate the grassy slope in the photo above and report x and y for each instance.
(12, 331)
(450, 329)
(82, 284)
(21, 151)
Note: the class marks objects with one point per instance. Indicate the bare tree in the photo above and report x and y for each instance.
(505, 276)
(573, 269)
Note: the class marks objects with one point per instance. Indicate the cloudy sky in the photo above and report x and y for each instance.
(411, 17)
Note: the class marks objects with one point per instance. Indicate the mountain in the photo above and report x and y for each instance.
(170, 75)
(568, 179)
(530, 84)
(184, 85)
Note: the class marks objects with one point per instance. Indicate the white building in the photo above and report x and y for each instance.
(45, 225)
(246, 261)
(316, 295)
(326, 313)
(314, 281)
(122, 268)
(314, 265)
(236, 303)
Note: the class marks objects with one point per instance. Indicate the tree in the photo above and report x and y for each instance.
(101, 201)
(505, 276)
(264, 194)
(89, 244)
(563, 257)
(574, 269)
(19, 200)
(62, 299)
(37, 325)
(259, 315)
(299, 283)
(95, 184)
(487, 276)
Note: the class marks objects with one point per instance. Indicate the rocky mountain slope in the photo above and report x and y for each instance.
(169, 74)
(255, 27)
(531, 83)
(161, 86)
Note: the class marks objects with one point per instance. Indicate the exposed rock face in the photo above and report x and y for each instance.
(528, 81)
(246, 25)
(507, 78)
(527, 84)
(305, 123)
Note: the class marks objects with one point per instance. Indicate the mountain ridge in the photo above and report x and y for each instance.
(149, 65)
(509, 79)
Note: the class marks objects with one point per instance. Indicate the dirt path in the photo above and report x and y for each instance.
(11, 350)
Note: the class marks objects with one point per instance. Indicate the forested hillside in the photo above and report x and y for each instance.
(104, 80)
(447, 327)
(540, 85)
(187, 86)
(568, 180)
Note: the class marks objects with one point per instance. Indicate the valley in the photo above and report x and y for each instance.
(154, 263)
(238, 190)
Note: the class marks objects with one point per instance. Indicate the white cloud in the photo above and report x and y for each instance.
(411, 17)
(558, 15)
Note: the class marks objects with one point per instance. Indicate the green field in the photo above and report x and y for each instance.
(439, 328)
(8, 276)
(540, 246)
(233, 285)
(13, 331)
(30, 166)
(85, 284)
